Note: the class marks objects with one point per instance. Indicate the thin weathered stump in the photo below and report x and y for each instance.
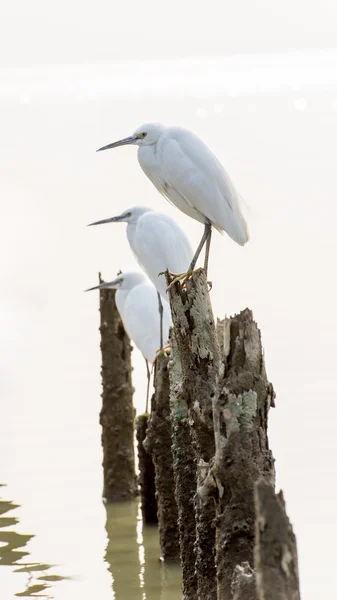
(242, 452)
(146, 474)
(117, 414)
(184, 469)
(197, 370)
(275, 547)
(158, 443)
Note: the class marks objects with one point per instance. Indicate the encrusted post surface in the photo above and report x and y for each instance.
(242, 452)
(146, 474)
(275, 548)
(117, 413)
(195, 364)
(184, 475)
(158, 443)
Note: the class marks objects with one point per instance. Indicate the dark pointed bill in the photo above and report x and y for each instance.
(109, 284)
(124, 142)
(111, 220)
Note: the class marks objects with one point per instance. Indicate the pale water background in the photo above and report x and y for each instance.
(272, 120)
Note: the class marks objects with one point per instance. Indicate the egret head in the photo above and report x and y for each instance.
(146, 135)
(124, 281)
(131, 215)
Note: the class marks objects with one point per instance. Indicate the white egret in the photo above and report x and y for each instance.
(189, 176)
(157, 242)
(137, 304)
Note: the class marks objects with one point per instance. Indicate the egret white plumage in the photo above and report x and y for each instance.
(137, 303)
(189, 175)
(157, 242)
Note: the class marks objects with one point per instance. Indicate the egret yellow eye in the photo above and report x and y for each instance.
(142, 135)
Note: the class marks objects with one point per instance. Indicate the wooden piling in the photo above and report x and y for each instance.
(117, 413)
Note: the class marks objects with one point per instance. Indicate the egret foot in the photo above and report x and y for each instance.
(160, 352)
(183, 277)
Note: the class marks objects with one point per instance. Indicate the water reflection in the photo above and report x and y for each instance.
(12, 553)
(132, 555)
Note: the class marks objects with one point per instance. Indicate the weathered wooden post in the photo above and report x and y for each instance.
(195, 372)
(242, 454)
(184, 470)
(146, 473)
(158, 443)
(275, 547)
(117, 414)
(221, 395)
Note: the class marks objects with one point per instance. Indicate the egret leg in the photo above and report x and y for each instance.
(162, 349)
(161, 311)
(208, 245)
(148, 386)
(206, 235)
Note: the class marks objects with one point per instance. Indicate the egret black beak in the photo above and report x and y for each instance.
(124, 142)
(110, 285)
(111, 220)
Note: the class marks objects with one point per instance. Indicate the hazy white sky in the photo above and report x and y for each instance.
(40, 32)
(272, 120)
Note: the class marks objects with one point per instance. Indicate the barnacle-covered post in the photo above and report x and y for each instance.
(158, 443)
(146, 477)
(117, 413)
(242, 454)
(221, 395)
(275, 547)
(184, 470)
(194, 380)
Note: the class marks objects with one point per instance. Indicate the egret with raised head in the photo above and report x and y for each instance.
(189, 175)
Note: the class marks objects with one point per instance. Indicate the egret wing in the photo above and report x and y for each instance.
(190, 170)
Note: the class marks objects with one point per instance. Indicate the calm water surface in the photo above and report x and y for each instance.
(130, 557)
